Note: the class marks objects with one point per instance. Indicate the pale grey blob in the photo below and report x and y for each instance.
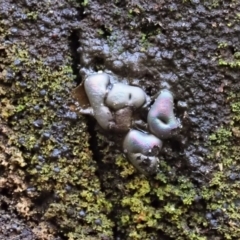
(142, 151)
(161, 119)
(96, 87)
(112, 105)
(123, 95)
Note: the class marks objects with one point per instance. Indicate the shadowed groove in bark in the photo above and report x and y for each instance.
(91, 123)
(74, 45)
(93, 142)
(76, 64)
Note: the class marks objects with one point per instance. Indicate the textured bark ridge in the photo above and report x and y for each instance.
(63, 177)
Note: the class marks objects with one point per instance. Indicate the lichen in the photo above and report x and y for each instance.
(46, 132)
(85, 198)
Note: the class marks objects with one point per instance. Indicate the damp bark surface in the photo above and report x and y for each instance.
(62, 176)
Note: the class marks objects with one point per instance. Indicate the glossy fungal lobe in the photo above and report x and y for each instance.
(96, 87)
(161, 119)
(122, 95)
(107, 99)
(142, 150)
(113, 106)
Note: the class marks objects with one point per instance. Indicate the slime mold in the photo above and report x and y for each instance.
(122, 95)
(115, 107)
(161, 120)
(112, 105)
(142, 150)
(95, 86)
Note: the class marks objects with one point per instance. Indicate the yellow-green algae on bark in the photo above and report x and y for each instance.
(222, 193)
(66, 189)
(174, 205)
(58, 173)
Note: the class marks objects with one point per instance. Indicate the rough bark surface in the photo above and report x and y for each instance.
(62, 177)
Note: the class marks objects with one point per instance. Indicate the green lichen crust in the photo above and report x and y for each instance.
(54, 143)
(112, 196)
(223, 189)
